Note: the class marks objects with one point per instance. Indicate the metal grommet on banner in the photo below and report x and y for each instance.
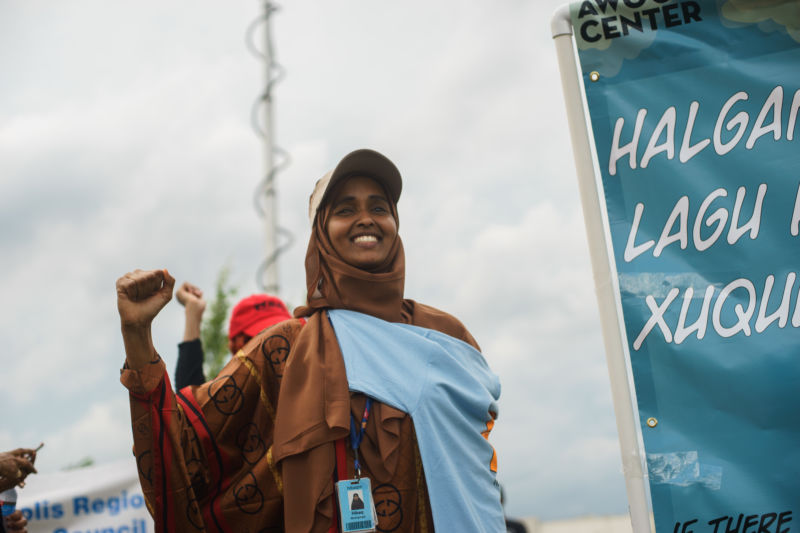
(594, 75)
(652, 422)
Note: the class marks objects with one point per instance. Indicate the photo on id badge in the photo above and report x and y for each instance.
(356, 501)
(355, 505)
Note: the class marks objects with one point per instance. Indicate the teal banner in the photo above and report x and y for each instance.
(694, 107)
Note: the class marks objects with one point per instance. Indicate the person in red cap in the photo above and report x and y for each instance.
(250, 316)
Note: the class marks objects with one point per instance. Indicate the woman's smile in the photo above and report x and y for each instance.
(365, 240)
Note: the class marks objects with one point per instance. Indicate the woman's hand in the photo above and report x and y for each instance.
(141, 294)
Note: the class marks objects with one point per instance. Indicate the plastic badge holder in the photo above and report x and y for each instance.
(356, 507)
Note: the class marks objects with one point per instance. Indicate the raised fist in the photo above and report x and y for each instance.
(141, 294)
(191, 297)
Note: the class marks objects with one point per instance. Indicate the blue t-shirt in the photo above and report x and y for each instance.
(447, 388)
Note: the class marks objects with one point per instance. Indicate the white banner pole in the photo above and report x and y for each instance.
(598, 250)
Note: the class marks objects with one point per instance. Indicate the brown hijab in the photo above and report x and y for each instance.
(314, 400)
(332, 283)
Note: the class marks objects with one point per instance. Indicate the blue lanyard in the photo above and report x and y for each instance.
(357, 434)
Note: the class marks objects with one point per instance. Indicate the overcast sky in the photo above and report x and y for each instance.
(125, 142)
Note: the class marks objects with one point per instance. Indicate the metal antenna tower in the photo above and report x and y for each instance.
(275, 158)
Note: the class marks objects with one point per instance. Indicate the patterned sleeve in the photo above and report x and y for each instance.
(205, 453)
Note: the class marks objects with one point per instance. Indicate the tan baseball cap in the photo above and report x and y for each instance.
(363, 162)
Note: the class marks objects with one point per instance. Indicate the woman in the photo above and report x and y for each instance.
(261, 447)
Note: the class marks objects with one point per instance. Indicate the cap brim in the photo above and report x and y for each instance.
(372, 164)
(363, 162)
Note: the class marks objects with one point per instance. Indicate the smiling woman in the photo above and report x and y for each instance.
(363, 389)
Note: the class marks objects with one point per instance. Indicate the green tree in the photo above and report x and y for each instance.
(213, 331)
(82, 463)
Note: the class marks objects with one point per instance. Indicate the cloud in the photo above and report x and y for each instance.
(772, 15)
(98, 434)
(658, 285)
(128, 146)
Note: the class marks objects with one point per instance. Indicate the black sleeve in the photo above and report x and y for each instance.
(189, 370)
(515, 526)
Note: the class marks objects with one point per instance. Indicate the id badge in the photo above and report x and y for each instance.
(356, 506)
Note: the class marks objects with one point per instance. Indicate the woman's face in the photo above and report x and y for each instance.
(360, 226)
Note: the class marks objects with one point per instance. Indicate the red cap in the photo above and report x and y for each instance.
(256, 313)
